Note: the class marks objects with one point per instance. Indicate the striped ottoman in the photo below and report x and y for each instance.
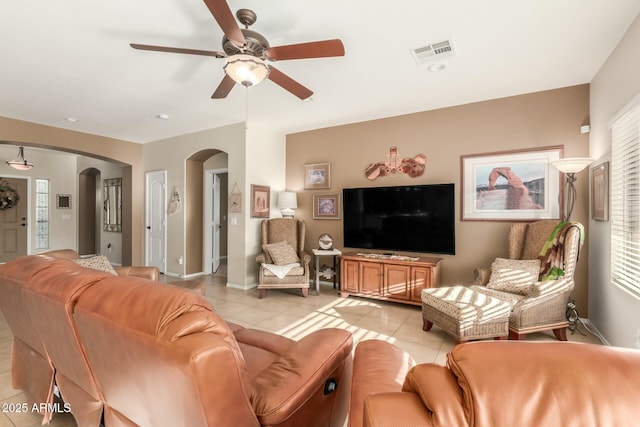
(464, 313)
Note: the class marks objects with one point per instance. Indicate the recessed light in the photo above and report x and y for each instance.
(71, 119)
(434, 68)
(162, 116)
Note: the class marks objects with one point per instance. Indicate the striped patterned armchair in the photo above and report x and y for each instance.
(278, 231)
(546, 309)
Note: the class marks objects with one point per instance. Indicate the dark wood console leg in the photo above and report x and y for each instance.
(426, 325)
(560, 333)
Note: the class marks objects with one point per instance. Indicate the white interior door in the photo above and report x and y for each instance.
(215, 224)
(156, 232)
(13, 223)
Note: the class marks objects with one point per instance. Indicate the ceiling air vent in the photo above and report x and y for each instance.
(433, 52)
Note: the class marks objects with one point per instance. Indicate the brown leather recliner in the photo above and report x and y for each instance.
(159, 355)
(32, 371)
(50, 297)
(497, 384)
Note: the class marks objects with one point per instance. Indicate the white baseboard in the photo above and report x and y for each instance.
(243, 287)
(182, 276)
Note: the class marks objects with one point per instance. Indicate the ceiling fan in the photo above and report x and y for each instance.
(246, 51)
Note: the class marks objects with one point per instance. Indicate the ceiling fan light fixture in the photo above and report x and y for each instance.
(246, 69)
(20, 163)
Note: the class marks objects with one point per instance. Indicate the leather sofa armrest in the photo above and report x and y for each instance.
(394, 409)
(440, 393)
(378, 367)
(287, 383)
(481, 276)
(62, 254)
(145, 272)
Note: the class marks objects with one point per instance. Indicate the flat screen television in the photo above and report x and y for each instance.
(412, 218)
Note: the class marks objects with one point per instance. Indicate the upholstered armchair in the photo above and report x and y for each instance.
(544, 305)
(283, 264)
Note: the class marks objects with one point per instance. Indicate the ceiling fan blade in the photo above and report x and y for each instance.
(178, 50)
(287, 83)
(225, 19)
(223, 88)
(319, 49)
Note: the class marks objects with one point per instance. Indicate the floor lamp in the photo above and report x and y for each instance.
(570, 167)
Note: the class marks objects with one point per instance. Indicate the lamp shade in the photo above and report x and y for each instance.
(246, 69)
(287, 200)
(571, 164)
(20, 163)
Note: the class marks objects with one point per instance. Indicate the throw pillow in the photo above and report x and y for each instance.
(98, 262)
(281, 253)
(514, 276)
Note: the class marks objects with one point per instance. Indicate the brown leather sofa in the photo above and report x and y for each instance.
(143, 353)
(496, 384)
(31, 369)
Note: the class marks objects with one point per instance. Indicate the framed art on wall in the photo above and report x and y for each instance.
(63, 201)
(260, 201)
(326, 206)
(317, 175)
(600, 192)
(511, 186)
(235, 199)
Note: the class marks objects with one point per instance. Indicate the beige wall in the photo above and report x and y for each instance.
(614, 312)
(266, 165)
(171, 155)
(194, 218)
(255, 156)
(30, 134)
(540, 119)
(59, 169)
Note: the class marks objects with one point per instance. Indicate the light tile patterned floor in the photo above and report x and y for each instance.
(285, 312)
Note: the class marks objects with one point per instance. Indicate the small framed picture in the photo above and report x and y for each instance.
(63, 201)
(260, 201)
(600, 192)
(317, 175)
(326, 206)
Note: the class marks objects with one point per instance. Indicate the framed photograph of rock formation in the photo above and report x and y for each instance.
(511, 185)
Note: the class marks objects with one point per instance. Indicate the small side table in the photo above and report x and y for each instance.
(317, 253)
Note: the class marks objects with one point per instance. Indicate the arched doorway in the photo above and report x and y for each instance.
(200, 210)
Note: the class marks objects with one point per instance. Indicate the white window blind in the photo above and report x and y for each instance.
(625, 201)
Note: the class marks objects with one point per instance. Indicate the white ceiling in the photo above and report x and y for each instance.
(72, 58)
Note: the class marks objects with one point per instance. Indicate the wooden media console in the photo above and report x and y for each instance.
(388, 277)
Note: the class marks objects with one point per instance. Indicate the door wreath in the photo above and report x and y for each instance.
(8, 196)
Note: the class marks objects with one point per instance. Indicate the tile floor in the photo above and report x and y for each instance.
(287, 313)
